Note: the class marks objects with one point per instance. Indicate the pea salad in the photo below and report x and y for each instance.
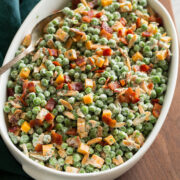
(89, 95)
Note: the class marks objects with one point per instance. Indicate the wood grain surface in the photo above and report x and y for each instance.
(162, 160)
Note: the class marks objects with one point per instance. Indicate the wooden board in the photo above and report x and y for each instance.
(162, 160)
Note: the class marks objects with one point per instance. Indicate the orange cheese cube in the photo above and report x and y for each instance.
(72, 169)
(27, 40)
(89, 45)
(88, 99)
(117, 26)
(69, 160)
(60, 79)
(106, 2)
(161, 55)
(89, 83)
(99, 62)
(83, 149)
(96, 161)
(47, 149)
(118, 160)
(25, 127)
(71, 54)
(110, 140)
(106, 113)
(24, 72)
(62, 35)
(137, 56)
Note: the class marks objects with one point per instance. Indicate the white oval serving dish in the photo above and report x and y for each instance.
(37, 171)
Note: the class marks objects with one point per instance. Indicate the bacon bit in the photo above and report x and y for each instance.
(103, 143)
(69, 86)
(71, 131)
(106, 34)
(74, 141)
(49, 117)
(80, 62)
(150, 86)
(110, 122)
(145, 68)
(77, 86)
(75, 3)
(36, 122)
(10, 92)
(60, 86)
(86, 19)
(50, 104)
(156, 110)
(72, 65)
(114, 85)
(138, 22)
(156, 19)
(67, 79)
(146, 34)
(31, 87)
(107, 52)
(14, 129)
(99, 71)
(122, 82)
(129, 96)
(23, 101)
(129, 31)
(99, 14)
(135, 68)
(53, 52)
(93, 3)
(123, 40)
(56, 63)
(123, 21)
(91, 13)
(106, 27)
(154, 101)
(38, 147)
(120, 33)
(56, 138)
(91, 61)
(106, 83)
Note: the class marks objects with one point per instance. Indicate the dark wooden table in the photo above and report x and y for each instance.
(162, 161)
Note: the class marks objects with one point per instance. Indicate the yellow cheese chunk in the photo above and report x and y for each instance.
(137, 56)
(110, 140)
(83, 148)
(25, 127)
(24, 72)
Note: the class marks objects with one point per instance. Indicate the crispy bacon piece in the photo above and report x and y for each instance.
(156, 110)
(110, 122)
(80, 62)
(146, 34)
(145, 68)
(56, 138)
(71, 131)
(38, 147)
(99, 71)
(129, 96)
(93, 4)
(107, 52)
(60, 86)
(122, 82)
(14, 129)
(150, 86)
(75, 3)
(49, 117)
(103, 143)
(129, 31)
(106, 83)
(67, 79)
(123, 21)
(56, 63)
(86, 19)
(50, 104)
(99, 14)
(74, 141)
(106, 27)
(10, 92)
(53, 52)
(123, 40)
(106, 34)
(31, 87)
(36, 122)
(72, 65)
(114, 85)
(153, 101)
(77, 86)
(138, 22)
(156, 19)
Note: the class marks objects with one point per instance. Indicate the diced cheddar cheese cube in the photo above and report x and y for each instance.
(96, 161)
(83, 148)
(60, 79)
(24, 72)
(47, 149)
(81, 125)
(25, 127)
(106, 113)
(89, 45)
(62, 35)
(99, 62)
(118, 160)
(137, 56)
(110, 140)
(126, 6)
(152, 28)
(166, 39)
(161, 55)
(71, 54)
(27, 40)
(117, 26)
(89, 83)
(88, 99)
(139, 139)
(62, 153)
(72, 169)
(95, 140)
(69, 160)
(106, 2)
